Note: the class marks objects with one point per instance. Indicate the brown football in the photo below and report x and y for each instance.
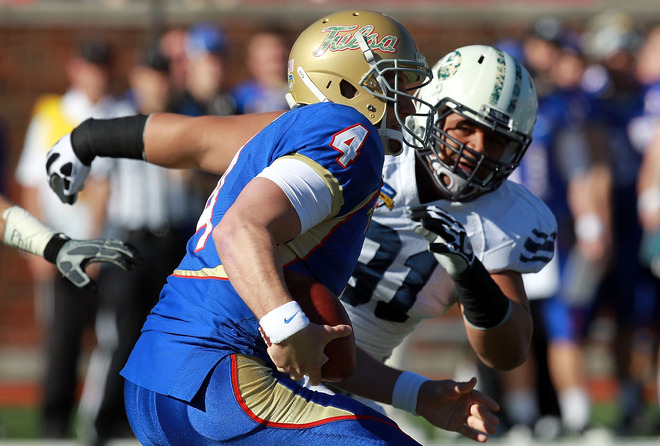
(322, 307)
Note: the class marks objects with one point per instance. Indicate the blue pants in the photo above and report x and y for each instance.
(245, 402)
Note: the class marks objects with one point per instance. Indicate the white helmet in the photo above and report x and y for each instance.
(491, 88)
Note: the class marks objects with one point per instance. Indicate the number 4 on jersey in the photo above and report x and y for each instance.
(349, 142)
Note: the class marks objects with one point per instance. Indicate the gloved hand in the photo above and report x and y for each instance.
(447, 238)
(66, 173)
(74, 256)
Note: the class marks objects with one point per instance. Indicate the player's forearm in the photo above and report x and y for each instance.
(505, 346)
(250, 259)
(207, 143)
(176, 141)
(246, 239)
(392, 386)
(23, 231)
(362, 381)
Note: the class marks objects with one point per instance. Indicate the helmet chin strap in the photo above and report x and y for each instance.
(311, 85)
(387, 135)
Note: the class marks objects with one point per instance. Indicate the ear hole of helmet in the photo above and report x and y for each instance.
(347, 89)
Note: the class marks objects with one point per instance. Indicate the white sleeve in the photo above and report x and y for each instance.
(306, 189)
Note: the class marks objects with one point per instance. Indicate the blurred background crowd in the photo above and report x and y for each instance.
(595, 160)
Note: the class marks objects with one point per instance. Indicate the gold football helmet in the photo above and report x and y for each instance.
(355, 58)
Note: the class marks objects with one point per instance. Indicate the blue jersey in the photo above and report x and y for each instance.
(252, 97)
(559, 149)
(616, 110)
(200, 318)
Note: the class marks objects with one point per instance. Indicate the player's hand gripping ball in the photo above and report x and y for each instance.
(324, 308)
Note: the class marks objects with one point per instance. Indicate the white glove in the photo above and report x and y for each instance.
(448, 239)
(66, 173)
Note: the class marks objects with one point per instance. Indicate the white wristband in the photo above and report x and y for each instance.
(406, 391)
(282, 322)
(25, 232)
(649, 201)
(589, 227)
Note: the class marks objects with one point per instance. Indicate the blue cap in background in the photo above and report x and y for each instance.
(206, 38)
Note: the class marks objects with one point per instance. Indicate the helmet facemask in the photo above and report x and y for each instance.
(382, 81)
(445, 156)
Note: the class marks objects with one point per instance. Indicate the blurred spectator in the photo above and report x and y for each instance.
(646, 138)
(267, 54)
(205, 46)
(646, 130)
(147, 210)
(541, 50)
(173, 45)
(612, 40)
(649, 216)
(562, 168)
(65, 309)
(149, 79)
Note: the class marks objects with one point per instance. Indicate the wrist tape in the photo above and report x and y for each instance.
(484, 304)
(114, 138)
(589, 227)
(649, 200)
(406, 391)
(282, 322)
(25, 232)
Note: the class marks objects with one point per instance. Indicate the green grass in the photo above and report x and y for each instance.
(19, 423)
(22, 423)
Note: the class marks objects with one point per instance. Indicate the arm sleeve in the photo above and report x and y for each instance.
(307, 191)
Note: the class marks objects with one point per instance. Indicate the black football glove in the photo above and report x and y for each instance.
(448, 239)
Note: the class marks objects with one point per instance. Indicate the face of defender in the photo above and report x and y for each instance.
(472, 147)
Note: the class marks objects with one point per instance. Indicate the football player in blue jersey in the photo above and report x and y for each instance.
(298, 195)
(22, 230)
(398, 282)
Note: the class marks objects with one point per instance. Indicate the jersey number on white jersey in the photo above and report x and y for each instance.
(368, 276)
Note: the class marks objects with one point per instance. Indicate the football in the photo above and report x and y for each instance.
(322, 307)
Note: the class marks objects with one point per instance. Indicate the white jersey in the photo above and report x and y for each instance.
(398, 281)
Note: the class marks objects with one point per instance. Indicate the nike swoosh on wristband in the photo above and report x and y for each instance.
(289, 319)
